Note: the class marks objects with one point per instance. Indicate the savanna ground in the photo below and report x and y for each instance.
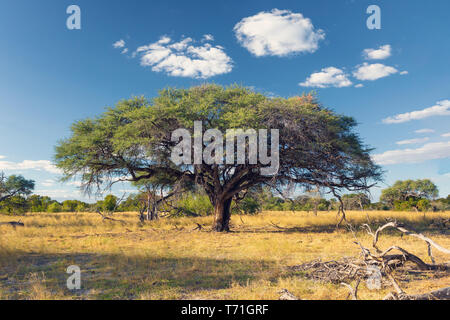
(167, 259)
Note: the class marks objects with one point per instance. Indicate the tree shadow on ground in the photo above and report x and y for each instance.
(116, 276)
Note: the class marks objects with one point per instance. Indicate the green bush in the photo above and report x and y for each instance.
(54, 207)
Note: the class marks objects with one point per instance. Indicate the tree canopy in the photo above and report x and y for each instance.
(14, 186)
(409, 189)
(133, 141)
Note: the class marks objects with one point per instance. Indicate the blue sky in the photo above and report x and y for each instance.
(51, 76)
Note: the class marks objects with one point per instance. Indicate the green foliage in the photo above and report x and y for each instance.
(109, 203)
(14, 205)
(250, 205)
(409, 195)
(197, 203)
(131, 203)
(356, 201)
(133, 139)
(54, 207)
(423, 205)
(38, 203)
(407, 189)
(14, 186)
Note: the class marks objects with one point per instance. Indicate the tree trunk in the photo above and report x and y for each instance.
(222, 215)
(149, 213)
(154, 214)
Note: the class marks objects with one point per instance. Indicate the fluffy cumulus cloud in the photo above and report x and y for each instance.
(412, 141)
(382, 52)
(184, 58)
(442, 108)
(119, 44)
(327, 77)
(278, 33)
(373, 71)
(446, 135)
(430, 151)
(40, 165)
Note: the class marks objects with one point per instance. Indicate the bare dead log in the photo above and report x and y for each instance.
(403, 229)
(440, 294)
(13, 224)
(104, 217)
(353, 292)
(286, 295)
(199, 227)
(386, 263)
(277, 226)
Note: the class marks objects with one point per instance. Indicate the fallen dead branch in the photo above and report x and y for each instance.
(389, 265)
(441, 294)
(353, 292)
(104, 217)
(286, 295)
(13, 224)
(199, 227)
(345, 270)
(405, 231)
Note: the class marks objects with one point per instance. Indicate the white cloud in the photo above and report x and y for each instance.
(359, 85)
(327, 77)
(404, 73)
(124, 51)
(184, 59)
(278, 33)
(430, 151)
(48, 183)
(2, 157)
(373, 71)
(119, 44)
(382, 52)
(74, 183)
(208, 37)
(412, 141)
(424, 131)
(58, 193)
(446, 135)
(40, 165)
(442, 108)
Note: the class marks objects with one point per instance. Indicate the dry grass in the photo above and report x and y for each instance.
(168, 260)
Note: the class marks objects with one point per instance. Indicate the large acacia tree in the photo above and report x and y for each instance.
(133, 141)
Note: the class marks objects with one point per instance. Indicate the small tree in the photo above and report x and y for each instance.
(356, 201)
(109, 204)
(14, 186)
(414, 189)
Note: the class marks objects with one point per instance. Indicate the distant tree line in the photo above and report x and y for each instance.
(154, 196)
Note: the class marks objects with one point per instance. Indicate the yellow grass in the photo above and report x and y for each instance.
(168, 260)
